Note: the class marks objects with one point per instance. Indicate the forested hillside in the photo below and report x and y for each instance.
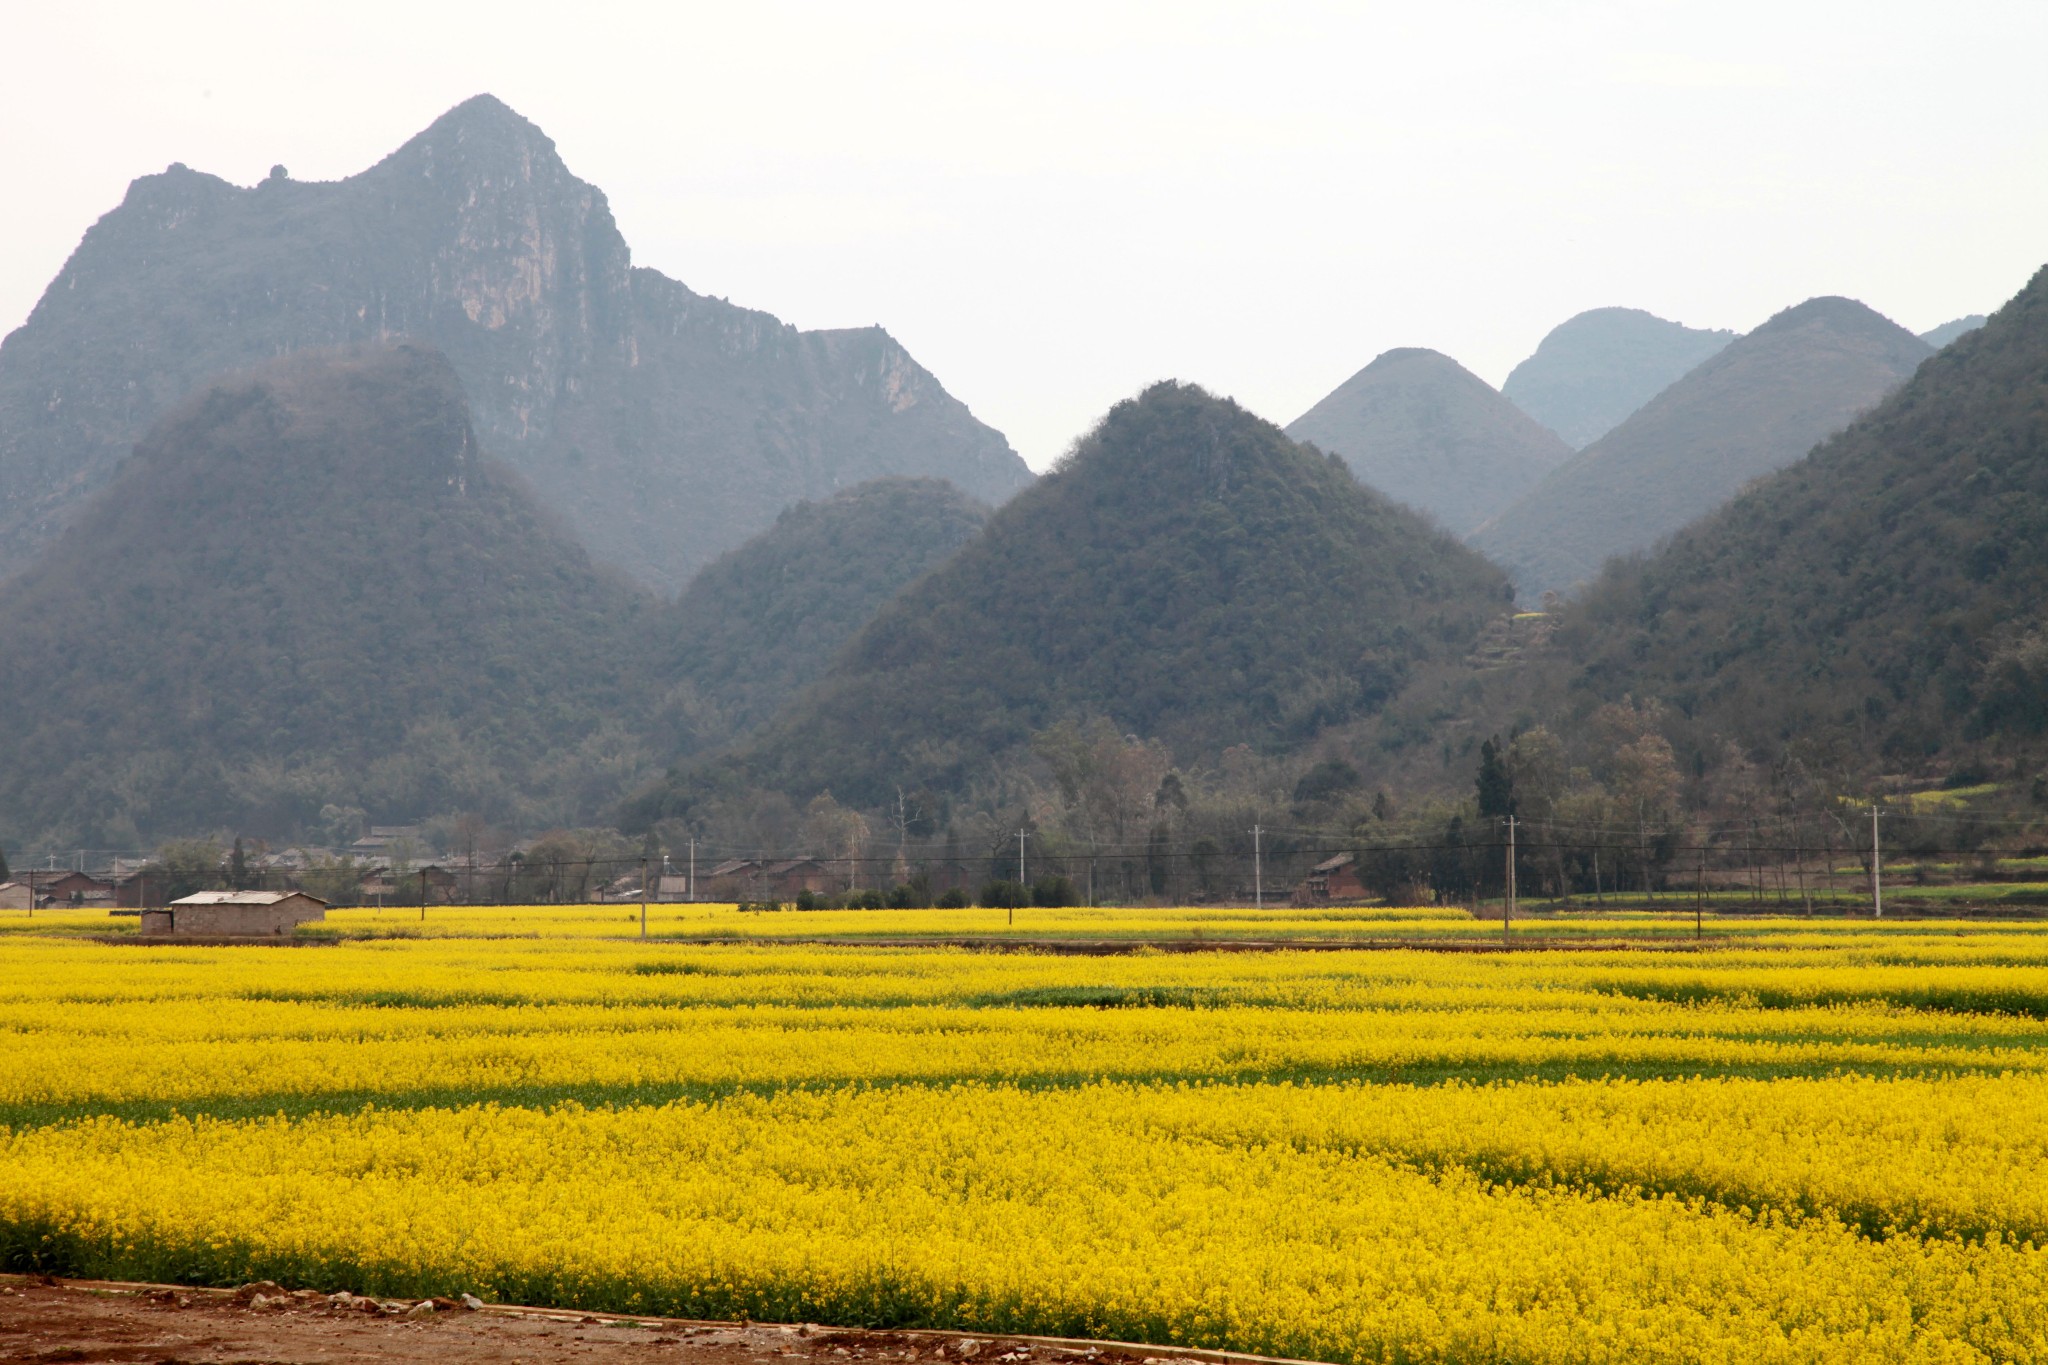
(1888, 594)
(1591, 371)
(1187, 572)
(663, 426)
(1756, 406)
(1426, 431)
(762, 621)
(307, 589)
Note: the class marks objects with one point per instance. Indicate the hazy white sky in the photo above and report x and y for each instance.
(1054, 204)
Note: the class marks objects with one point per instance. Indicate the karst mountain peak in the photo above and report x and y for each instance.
(663, 426)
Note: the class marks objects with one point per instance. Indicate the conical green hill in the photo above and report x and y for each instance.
(1889, 591)
(308, 587)
(1187, 571)
(759, 623)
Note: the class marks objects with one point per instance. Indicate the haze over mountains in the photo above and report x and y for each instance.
(1187, 572)
(312, 591)
(310, 587)
(1888, 594)
(664, 427)
(1592, 370)
(1424, 430)
(1754, 407)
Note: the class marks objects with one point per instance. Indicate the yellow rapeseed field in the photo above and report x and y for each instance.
(1807, 1141)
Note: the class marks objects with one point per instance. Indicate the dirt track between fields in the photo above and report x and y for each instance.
(82, 1322)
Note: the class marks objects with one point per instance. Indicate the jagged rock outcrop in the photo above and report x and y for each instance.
(665, 427)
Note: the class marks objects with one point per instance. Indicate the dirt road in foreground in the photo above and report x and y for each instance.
(48, 1322)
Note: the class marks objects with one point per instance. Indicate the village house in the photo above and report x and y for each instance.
(754, 879)
(1332, 879)
(16, 896)
(235, 914)
(385, 842)
(60, 887)
(71, 888)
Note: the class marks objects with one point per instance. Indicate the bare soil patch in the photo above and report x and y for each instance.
(78, 1322)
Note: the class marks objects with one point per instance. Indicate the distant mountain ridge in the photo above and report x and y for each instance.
(1756, 406)
(1424, 430)
(310, 587)
(1591, 371)
(1949, 331)
(1187, 572)
(1886, 596)
(664, 427)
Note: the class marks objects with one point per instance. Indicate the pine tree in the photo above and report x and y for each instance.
(1496, 785)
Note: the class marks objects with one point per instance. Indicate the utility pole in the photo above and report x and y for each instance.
(423, 895)
(1020, 880)
(1507, 906)
(690, 888)
(643, 898)
(1876, 868)
(1699, 904)
(1258, 871)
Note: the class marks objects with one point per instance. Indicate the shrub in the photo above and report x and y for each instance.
(1052, 892)
(1002, 895)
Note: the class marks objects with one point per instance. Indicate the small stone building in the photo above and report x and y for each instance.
(235, 914)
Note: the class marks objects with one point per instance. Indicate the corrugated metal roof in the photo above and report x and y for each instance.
(242, 898)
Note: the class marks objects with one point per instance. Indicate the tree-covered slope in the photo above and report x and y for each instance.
(1591, 371)
(1187, 572)
(1755, 407)
(1426, 431)
(309, 587)
(1890, 590)
(762, 621)
(663, 426)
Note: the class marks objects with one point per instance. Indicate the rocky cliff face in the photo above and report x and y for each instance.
(665, 427)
